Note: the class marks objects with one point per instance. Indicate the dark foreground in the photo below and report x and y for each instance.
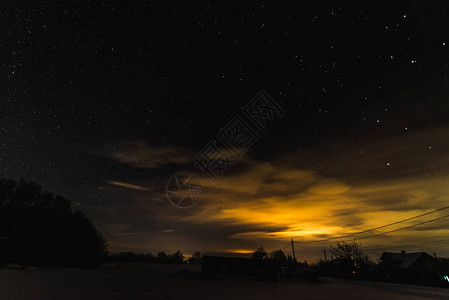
(169, 282)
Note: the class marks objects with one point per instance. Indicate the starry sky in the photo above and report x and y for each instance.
(103, 103)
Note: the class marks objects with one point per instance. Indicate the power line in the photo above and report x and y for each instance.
(407, 246)
(403, 228)
(305, 252)
(288, 245)
(372, 229)
(310, 251)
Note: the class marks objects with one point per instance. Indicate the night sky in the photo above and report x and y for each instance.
(103, 103)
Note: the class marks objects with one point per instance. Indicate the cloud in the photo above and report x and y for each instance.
(139, 154)
(129, 186)
(299, 195)
(283, 200)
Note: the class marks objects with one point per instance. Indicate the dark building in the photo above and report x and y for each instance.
(416, 268)
(213, 266)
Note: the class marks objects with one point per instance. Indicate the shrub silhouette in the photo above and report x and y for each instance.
(40, 229)
(130, 257)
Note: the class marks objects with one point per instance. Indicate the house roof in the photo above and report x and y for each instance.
(406, 259)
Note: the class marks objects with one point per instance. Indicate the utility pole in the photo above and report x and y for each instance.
(293, 249)
(325, 257)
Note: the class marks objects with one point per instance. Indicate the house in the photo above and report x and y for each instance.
(213, 266)
(417, 268)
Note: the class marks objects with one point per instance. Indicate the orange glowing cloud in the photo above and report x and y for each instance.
(276, 202)
(269, 204)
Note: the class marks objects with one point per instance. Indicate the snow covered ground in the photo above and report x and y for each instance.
(149, 281)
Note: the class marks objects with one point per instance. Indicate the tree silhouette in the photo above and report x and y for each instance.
(350, 253)
(260, 253)
(162, 257)
(196, 257)
(177, 257)
(38, 228)
(278, 256)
